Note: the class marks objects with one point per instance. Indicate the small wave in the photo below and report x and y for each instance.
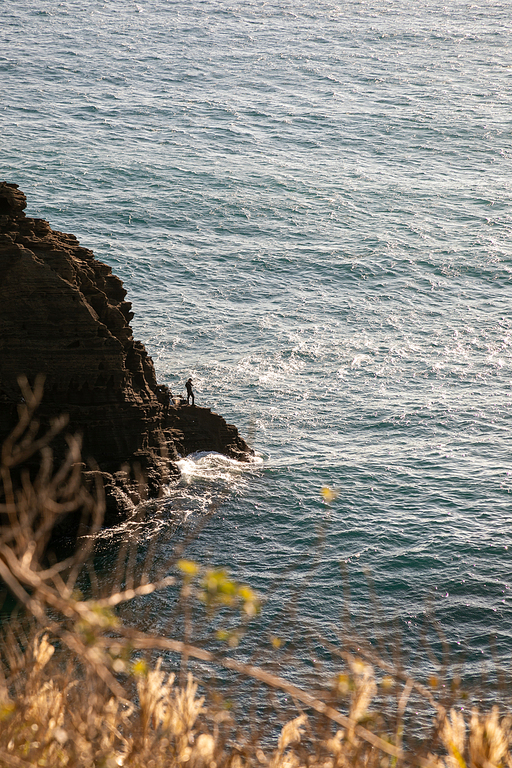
(206, 477)
(209, 465)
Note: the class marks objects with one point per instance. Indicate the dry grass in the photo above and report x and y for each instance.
(80, 687)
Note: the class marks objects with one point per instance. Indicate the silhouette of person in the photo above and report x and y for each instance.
(164, 395)
(190, 394)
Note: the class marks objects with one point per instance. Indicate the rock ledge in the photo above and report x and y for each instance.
(64, 314)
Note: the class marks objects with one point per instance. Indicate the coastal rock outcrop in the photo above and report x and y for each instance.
(63, 314)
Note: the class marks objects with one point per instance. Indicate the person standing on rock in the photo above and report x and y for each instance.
(190, 393)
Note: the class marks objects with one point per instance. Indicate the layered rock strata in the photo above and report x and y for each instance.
(63, 314)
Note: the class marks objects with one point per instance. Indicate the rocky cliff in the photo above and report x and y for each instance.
(64, 314)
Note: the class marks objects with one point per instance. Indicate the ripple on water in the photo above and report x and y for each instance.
(310, 209)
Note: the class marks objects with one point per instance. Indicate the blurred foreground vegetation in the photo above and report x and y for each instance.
(82, 686)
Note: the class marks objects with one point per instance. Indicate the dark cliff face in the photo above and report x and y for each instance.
(63, 314)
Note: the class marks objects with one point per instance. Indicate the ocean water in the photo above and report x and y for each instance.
(309, 204)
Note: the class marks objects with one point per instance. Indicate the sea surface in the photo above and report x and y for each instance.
(309, 204)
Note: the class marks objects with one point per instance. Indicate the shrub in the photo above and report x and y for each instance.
(81, 687)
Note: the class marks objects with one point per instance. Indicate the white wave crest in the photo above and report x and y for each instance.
(208, 465)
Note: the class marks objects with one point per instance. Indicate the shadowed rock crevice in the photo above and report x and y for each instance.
(63, 314)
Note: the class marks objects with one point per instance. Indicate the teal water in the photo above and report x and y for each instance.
(310, 207)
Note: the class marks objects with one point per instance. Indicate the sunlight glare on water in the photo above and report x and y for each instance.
(310, 207)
